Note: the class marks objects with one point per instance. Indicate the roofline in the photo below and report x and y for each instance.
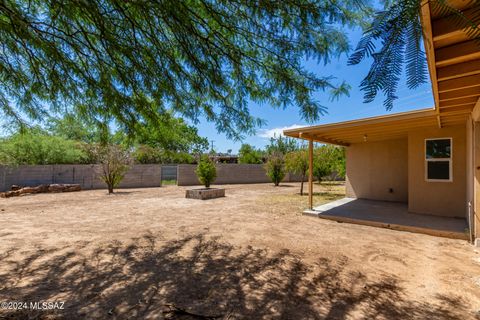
(425, 19)
(364, 121)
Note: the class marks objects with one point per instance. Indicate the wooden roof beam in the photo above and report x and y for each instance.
(460, 83)
(461, 5)
(446, 32)
(457, 102)
(458, 53)
(459, 70)
(386, 130)
(426, 21)
(462, 93)
(316, 138)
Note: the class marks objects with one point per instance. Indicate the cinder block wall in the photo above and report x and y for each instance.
(229, 174)
(141, 175)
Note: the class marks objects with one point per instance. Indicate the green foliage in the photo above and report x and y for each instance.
(275, 167)
(115, 162)
(399, 31)
(282, 145)
(134, 60)
(170, 133)
(328, 159)
(37, 147)
(149, 155)
(249, 155)
(73, 127)
(206, 171)
(297, 162)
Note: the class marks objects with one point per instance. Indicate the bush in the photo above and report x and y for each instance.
(329, 160)
(249, 155)
(145, 154)
(115, 163)
(39, 148)
(275, 167)
(297, 162)
(206, 171)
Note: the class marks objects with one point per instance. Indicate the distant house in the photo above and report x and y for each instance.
(224, 158)
(428, 158)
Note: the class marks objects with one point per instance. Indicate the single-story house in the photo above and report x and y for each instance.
(430, 158)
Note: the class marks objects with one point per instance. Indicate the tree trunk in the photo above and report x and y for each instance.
(301, 184)
(110, 189)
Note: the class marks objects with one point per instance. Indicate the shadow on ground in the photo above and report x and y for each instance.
(204, 276)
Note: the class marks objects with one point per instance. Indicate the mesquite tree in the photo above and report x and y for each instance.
(136, 60)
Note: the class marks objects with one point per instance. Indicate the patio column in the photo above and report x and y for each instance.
(310, 174)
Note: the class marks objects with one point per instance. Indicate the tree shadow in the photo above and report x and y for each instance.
(207, 277)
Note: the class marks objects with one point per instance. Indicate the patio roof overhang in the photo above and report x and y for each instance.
(454, 65)
(453, 60)
(369, 129)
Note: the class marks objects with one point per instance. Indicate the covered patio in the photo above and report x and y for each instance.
(390, 215)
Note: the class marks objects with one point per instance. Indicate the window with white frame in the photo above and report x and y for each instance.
(438, 159)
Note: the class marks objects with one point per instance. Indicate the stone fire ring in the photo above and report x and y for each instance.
(205, 193)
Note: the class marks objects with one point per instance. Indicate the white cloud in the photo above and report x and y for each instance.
(270, 133)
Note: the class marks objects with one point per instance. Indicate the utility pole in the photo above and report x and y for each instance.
(212, 141)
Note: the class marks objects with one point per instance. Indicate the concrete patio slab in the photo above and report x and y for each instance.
(391, 215)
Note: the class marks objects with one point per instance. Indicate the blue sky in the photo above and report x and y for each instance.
(346, 108)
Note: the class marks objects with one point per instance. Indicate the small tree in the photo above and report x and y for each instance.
(275, 167)
(206, 171)
(249, 155)
(115, 163)
(297, 162)
(327, 160)
(321, 169)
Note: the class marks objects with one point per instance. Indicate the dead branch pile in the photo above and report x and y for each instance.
(43, 188)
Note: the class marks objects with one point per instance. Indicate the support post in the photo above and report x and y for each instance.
(310, 174)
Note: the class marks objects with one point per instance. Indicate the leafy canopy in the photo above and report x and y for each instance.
(134, 60)
(281, 144)
(329, 159)
(247, 154)
(38, 147)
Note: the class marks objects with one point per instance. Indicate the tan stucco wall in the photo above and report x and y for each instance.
(437, 198)
(375, 167)
(476, 151)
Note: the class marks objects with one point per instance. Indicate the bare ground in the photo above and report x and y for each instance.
(251, 255)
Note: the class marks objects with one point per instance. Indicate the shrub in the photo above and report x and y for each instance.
(297, 162)
(275, 167)
(206, 171)
(329, 160)
(39, 148)
(145, 154)
(249, 155)
(115, 163)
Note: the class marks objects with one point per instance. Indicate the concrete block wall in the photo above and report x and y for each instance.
(230, 174)
(141, 175)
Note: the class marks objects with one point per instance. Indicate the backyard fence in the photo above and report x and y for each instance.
(139, 176)
(230, 174)
(87, 176)
(169, 172)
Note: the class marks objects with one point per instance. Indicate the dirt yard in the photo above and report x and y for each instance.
(251, 255)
